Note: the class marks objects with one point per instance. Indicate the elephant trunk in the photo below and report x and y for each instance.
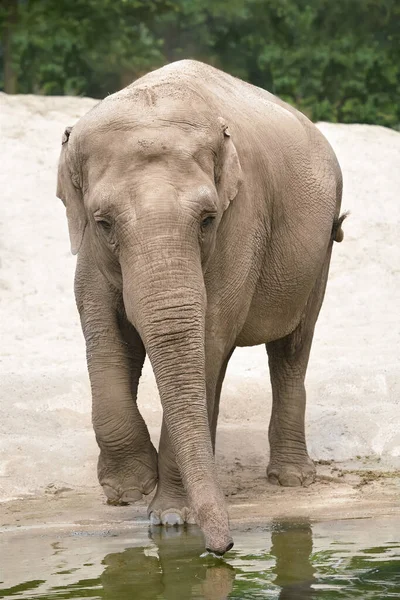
(165, 299)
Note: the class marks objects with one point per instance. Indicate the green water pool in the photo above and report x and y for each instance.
(283, 560)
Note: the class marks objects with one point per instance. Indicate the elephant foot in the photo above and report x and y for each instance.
(291, 475)
(169, 511)
(171, 517)
(126, 479)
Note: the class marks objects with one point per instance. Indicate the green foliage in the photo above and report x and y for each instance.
(86, 46)
(335, 61)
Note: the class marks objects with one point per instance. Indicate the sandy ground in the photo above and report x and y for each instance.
(47, 448)
(337, 494)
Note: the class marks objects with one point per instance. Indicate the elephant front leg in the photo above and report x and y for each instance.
(169, 505)
(127, 465)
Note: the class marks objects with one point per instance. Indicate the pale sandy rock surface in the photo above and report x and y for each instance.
(46, 438)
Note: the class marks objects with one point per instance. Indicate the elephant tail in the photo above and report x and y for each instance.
(337, 231)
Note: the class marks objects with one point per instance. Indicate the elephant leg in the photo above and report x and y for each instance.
(170, 506)
(127, 465)
(289, 463)
(214, 389)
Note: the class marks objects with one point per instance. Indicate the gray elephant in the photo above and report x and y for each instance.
(203, 211)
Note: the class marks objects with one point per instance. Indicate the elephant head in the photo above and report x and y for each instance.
(147, 191)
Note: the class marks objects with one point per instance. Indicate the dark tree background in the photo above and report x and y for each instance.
(335, 60)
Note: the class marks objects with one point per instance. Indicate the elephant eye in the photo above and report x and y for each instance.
(104, 225)
(207, 221)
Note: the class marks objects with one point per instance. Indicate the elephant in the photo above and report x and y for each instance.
(203, 212)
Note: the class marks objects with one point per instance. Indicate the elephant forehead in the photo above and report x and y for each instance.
(162, 141)
(121, 147)
(146, 191)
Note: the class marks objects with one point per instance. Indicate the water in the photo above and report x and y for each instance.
(282, 560)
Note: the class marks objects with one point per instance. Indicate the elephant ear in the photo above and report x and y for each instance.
(228, 172)
(71, 196)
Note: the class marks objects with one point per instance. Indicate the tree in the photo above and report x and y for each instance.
(85, 46)
(9, 19)
(335, 61)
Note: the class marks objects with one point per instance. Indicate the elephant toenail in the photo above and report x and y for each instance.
(290, 480)
(273, 479)
(190, 520)
(171, 518)
(111, 493)
(154, 519)
(308, 481)
(131, 495)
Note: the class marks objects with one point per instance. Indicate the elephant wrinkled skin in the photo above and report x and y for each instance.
(203, 211)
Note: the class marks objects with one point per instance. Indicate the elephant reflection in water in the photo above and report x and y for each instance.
(172, 571)
(175, 571)
(292, 546)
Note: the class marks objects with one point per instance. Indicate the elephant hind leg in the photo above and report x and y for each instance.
(214, 389)
(289, 463)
